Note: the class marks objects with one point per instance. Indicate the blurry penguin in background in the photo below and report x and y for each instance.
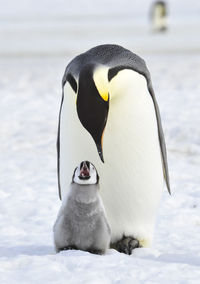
(109, 113)
(158, 16)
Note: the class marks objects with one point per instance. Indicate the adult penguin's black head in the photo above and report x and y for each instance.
(93, 102)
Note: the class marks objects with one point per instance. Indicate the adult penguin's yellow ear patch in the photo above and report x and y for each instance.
(100, 78)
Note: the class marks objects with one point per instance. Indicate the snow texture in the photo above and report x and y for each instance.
(30, 89)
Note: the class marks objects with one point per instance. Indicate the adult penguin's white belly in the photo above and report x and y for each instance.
(132, 177)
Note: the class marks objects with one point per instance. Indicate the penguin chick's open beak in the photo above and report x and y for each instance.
(84, 172)
(92, 109)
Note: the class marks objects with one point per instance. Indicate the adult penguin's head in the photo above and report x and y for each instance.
(93, 102)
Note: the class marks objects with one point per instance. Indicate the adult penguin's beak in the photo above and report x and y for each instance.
(93, 104)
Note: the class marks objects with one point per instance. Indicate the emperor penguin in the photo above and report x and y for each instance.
(109, 115)
(81, 222)
(159, 16)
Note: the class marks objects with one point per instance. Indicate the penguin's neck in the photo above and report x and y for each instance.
(84, 193)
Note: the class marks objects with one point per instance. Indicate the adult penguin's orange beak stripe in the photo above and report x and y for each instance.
(92, 108)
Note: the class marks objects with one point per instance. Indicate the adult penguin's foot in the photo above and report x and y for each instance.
(126, 245)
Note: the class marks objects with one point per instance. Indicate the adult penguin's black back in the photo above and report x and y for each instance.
(109, 114)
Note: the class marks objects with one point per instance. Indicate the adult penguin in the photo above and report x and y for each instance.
(158, 15)
(108, 103)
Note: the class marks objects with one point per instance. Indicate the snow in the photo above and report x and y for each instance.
(62, 29)
(30, 88)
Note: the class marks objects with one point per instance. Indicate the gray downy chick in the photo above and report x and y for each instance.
(81, 222)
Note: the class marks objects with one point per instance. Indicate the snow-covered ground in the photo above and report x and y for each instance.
(56, 27)
(30, 93)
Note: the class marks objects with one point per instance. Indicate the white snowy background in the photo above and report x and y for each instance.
(37, 40)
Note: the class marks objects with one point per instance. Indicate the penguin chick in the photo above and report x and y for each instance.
(81, 222)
